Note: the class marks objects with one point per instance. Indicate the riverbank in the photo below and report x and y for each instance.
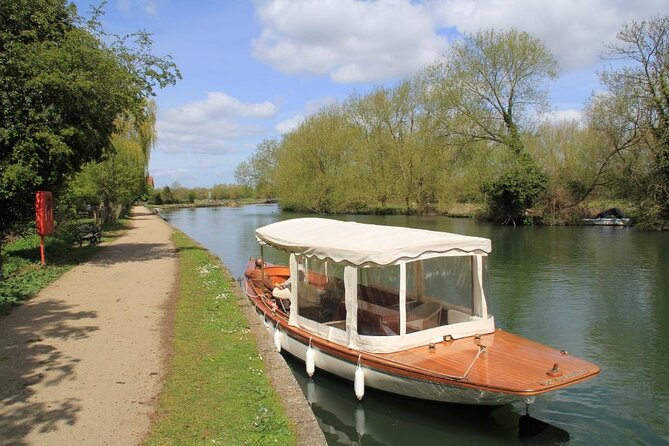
(227, 384)
(571, 216)
(146, 319)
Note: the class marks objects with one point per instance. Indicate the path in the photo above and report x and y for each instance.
(83, 361)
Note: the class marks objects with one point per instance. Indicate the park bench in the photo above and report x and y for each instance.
(90, 233)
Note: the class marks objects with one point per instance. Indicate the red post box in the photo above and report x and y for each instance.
(43, 216)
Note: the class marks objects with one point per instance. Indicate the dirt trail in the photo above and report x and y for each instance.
(83, 361)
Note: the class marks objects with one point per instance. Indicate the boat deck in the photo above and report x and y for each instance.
(509, 363)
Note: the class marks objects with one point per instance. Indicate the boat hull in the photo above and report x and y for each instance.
(380, 380)
(606, 221)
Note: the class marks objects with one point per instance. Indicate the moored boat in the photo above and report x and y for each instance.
(609, 217)
(401, 310)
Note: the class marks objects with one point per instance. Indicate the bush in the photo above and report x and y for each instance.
(514, 191)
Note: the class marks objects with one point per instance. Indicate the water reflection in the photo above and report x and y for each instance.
(600, 293)
(385, 419)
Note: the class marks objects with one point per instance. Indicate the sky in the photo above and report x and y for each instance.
(254, 69)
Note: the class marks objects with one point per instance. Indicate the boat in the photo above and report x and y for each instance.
(400, 310)
(609, 217)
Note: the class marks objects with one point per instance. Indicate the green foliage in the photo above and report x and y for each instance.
(65, 84)
(494, 81)
(257, 172)
(515, 191)
(118, 180)
(640, 89)
(215, 365)
(465, 130)
(312, 168)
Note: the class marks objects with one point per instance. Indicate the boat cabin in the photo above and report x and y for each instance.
(379, 288)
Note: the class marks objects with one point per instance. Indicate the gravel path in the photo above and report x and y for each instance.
(84, 360)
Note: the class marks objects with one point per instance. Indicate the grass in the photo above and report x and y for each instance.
(24, 273)
(217, 391)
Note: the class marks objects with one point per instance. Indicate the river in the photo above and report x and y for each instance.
(602, 293)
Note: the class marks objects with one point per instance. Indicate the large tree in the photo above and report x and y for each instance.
(64, 84)
(495, 82)
(641, 87)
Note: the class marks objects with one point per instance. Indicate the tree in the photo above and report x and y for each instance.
(396, 144)
(494, 81)
(118, 180)
(642, 87)
(64, 83)
(257, 171)
(314, 169)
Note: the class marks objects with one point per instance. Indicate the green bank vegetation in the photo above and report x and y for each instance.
(218, 194)
(468, 129)
(76, 115)
(217, 391)
(24, 273)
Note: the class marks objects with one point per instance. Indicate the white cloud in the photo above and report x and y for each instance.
(576, 31)
(216, 125)
(376, 40)
(563, 115)
(350, 40)
(290, 124)
(150, 7)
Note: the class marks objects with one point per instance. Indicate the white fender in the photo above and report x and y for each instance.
(311, 365)
(359, 383)
(277, 338)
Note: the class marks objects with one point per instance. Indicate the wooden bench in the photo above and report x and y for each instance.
(90, 233)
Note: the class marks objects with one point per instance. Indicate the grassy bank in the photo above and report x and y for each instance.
(22, 266)
(217, 391)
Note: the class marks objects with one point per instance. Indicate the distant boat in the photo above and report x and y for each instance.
(609, 217)
(401, 310)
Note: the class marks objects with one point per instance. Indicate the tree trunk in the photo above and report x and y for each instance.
(2, 276)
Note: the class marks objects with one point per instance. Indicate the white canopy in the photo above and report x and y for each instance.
(362, 244)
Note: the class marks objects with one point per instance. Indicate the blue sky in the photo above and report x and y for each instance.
(253, 69)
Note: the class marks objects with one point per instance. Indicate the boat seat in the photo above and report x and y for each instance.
(425, 315)
(456, 316)
(372, 324)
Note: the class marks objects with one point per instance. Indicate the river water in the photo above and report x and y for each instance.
(600, 293)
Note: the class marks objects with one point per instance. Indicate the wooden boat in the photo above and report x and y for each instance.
(401, 310)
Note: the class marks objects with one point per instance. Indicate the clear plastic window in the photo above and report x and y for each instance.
(320, 292)
(378, 301)
(439, 292)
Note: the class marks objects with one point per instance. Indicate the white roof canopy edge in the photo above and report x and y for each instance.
(362, 244)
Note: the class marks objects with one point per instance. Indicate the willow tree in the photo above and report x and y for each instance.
(495, 81)
(373, 145)
(119, 178)
(397, 146)
(316, 170)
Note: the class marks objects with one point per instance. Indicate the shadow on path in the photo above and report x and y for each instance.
(28, 359)
(132, 252)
